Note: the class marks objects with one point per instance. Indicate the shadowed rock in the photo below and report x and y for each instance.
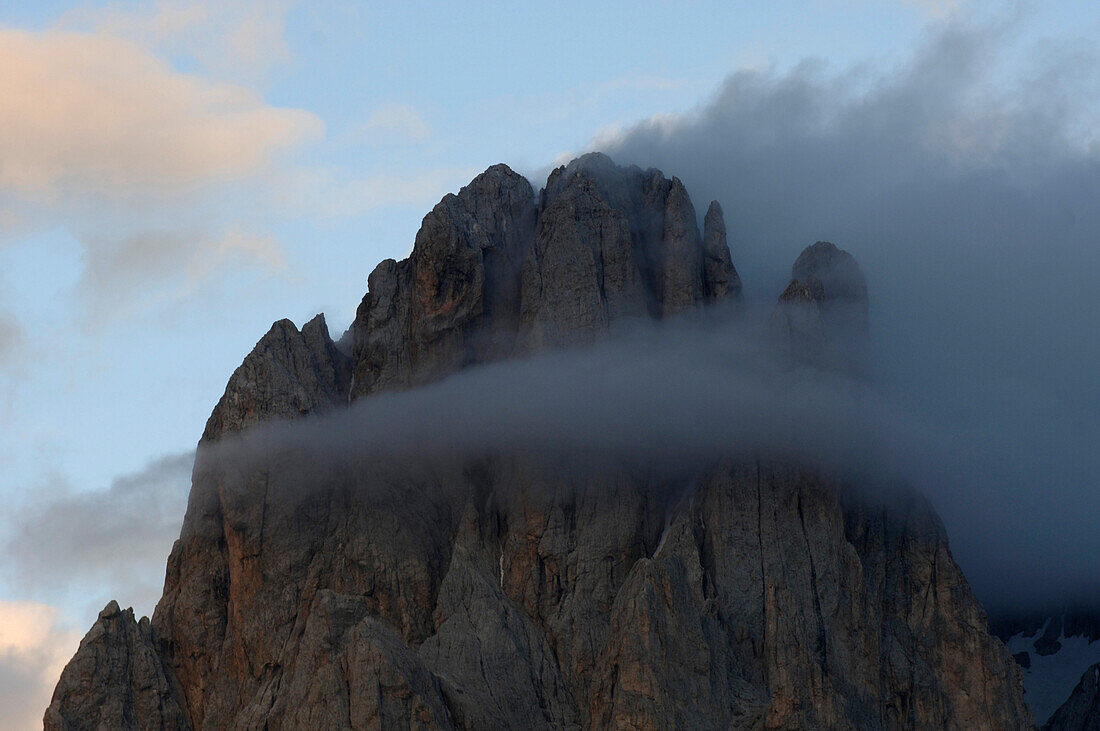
(288, 374)
(837, 270)
(115, 680)
(721, 278)
(493, 274)
(1081, 711)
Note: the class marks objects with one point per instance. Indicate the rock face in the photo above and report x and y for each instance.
(493, 273)
(289, 373)
(1082, 709)
(510, 591)
(116, 680)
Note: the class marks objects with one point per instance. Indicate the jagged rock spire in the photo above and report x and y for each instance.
(1081, 711)
(492, 274)
(722, 280)
(288, 374)
(821, 319)
(511, 591)
(116, 680)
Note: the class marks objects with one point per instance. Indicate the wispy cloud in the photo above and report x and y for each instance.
(145, 165)
(334, 192)
(11, 334)
(166, 266)
(238, 39)
(79, 549)
(96, 116)
(939, 9)
(104, 543)
(396, 122)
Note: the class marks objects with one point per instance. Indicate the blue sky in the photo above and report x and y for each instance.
(176, 175)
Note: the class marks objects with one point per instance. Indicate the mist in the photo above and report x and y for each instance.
(662, 395)
(965, 181)
(662, 398)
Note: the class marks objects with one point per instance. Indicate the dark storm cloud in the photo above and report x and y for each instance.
(965, 181)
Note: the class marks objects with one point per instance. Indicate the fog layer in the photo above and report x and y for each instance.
(671, 397)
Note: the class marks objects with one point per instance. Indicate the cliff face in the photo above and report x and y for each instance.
(510, 591)
(494, 274)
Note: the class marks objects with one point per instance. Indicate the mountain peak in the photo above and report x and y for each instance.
(492, 275)
(289, 373)
(836, 270)
(498, 589)
(821, 318)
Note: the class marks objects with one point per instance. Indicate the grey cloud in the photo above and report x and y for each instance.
(102, 544)
(20, 680)
(11, 333)
(667, 394)
(965, 182)
(157, 265)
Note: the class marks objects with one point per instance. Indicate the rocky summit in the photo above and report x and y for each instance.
(510, 591)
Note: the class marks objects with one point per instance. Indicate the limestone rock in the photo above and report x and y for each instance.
(836, 269)
(497, 668)
(454, 301)
(352, 671)
(682, 274)
(506, 590)
(288, 374)
(581, 270)
(115, 680)
(492, 274)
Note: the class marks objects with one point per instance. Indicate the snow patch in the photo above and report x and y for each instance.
(1051, 678)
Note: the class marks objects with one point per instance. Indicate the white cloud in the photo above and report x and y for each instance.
(240, 39)
(150, 168)
(33, 650)
(97, 116)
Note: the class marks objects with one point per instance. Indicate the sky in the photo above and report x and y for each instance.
(177, 175)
